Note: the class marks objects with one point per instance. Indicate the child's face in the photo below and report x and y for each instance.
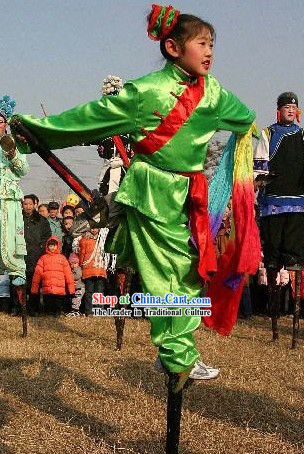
(197, 56)
(43, 211)
(94, 231)
(288, 113)
(74, 265)
(68, 223)
(68, 212)
(52, 247)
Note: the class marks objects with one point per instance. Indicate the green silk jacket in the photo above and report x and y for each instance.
(190, 112)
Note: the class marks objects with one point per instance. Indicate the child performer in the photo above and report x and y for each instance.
(170, 116)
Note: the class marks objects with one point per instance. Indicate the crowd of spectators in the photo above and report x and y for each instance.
(62, 272)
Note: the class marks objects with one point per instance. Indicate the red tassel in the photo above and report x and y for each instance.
(225, 301)
(278, 116)
(298, 115)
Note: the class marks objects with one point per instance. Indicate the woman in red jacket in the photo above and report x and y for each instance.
(93, 274)
(54, 273)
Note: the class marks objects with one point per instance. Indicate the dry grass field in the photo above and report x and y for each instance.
(66, 390)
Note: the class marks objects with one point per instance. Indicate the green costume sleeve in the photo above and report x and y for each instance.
(233, 115)
(87, 122)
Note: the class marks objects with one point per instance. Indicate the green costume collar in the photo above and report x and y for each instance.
(177, 73)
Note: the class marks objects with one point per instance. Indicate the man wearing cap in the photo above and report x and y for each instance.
(280, 155)
(54, 220)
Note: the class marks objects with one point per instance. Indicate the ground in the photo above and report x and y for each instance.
(66, 390)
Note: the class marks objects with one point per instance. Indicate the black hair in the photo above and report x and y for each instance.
(43, 205)
(30, 196)
(68, 217)
(186, 27)
(52, 242)
(93, 224)
(35, 198)
(68, 207)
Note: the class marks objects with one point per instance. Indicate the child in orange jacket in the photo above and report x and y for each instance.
(93, 273)
(54, 273)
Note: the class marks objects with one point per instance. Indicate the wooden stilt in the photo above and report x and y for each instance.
(120, 321)
(296, 310)
(274, 325)
(174, 411)
(20, 289)
(274, 301)
(119, 325)
(176, 383)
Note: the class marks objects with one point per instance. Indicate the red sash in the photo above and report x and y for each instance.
(200, 225)
(186, 104)
(121, 150)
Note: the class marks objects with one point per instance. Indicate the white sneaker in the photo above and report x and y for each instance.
(200, 370)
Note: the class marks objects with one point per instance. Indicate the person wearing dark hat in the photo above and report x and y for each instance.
(54, 220)
(54, 206)
(279, 171)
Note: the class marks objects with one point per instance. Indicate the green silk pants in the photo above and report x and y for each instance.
(167, 263)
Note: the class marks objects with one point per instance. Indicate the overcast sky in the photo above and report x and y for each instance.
(57, 52)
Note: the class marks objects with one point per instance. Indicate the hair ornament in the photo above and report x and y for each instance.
(7, 105)
(161, 20)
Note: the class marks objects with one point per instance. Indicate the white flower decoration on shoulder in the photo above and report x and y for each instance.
(111, 85)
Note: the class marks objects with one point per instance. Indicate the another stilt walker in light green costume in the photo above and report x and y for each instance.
(13, 166)
(170, 116)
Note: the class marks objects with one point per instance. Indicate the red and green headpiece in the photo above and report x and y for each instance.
(161, 21)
